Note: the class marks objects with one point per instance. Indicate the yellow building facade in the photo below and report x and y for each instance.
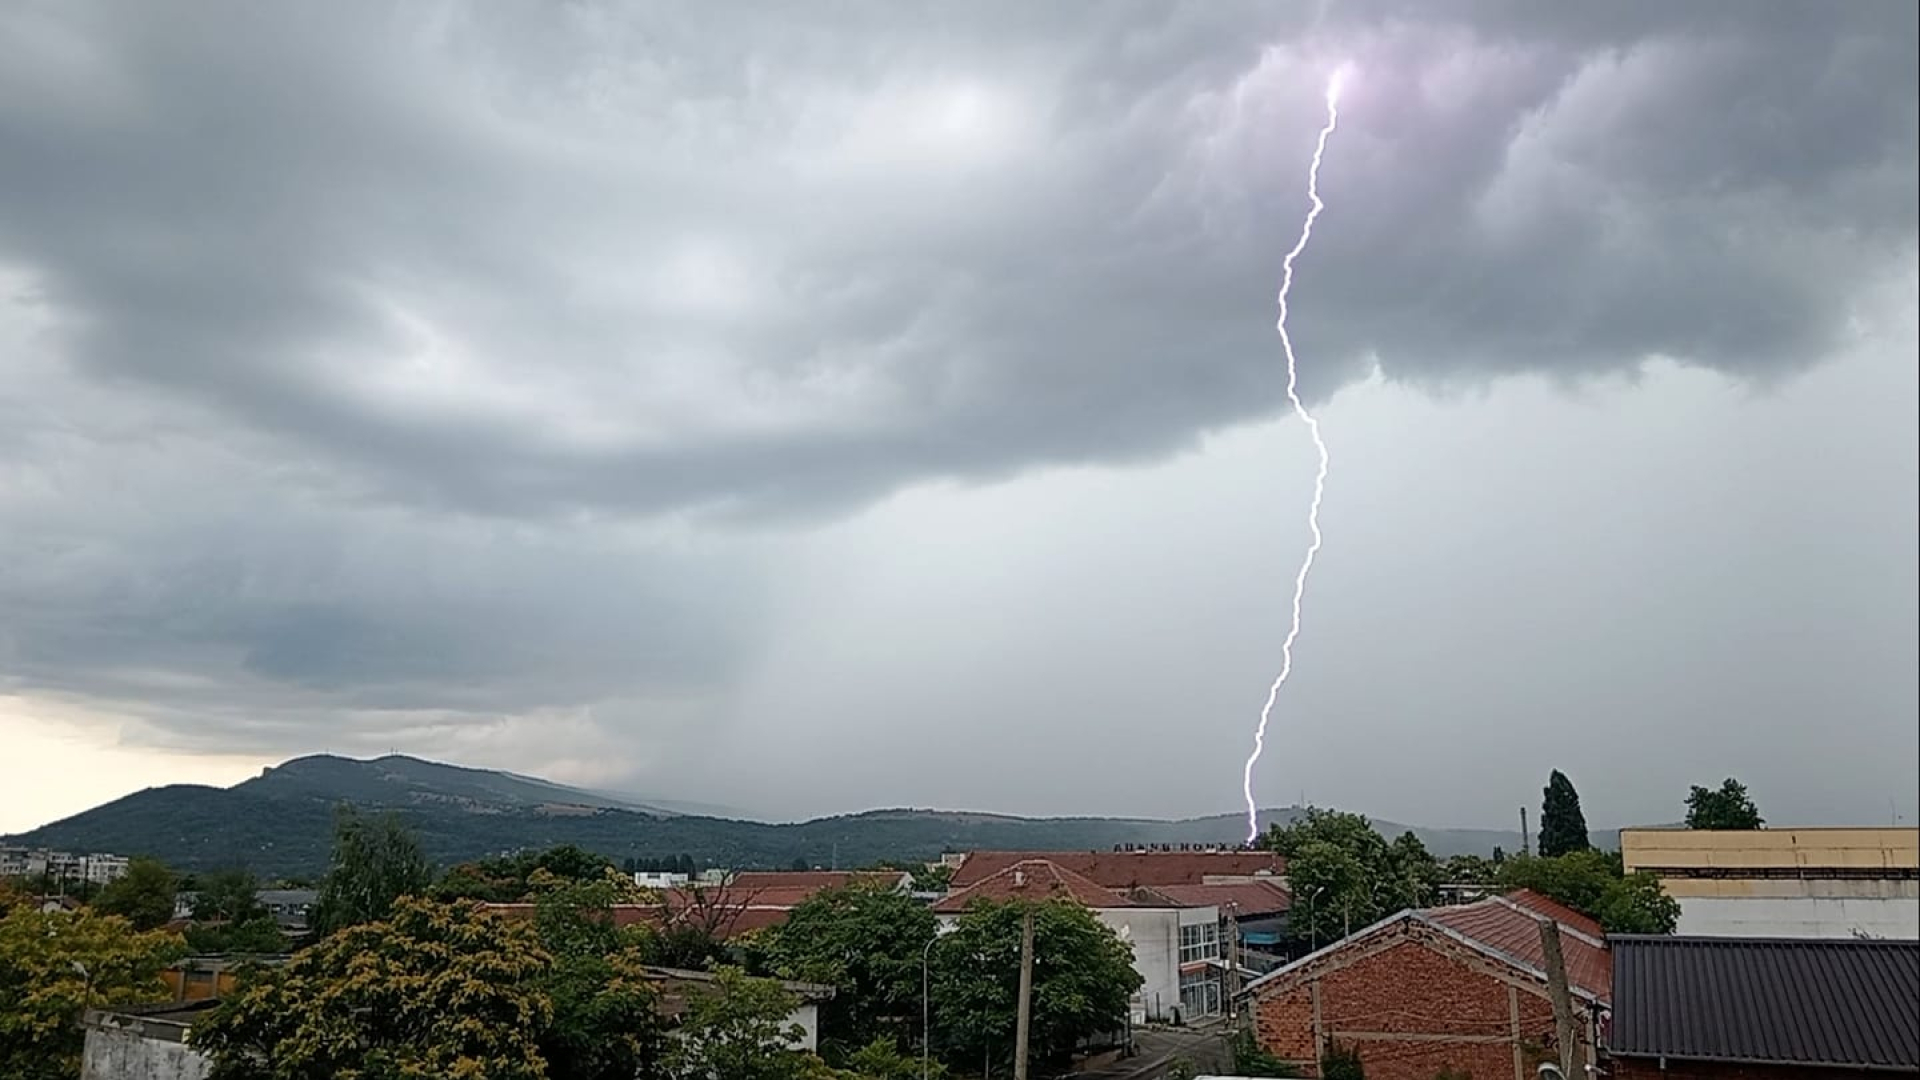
(1840, 882)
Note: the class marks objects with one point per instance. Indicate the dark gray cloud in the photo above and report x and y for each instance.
(406, 365)
(777, 260)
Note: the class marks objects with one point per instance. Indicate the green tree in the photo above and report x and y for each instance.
(1413, 873)
(257, 936)
(937, 877)
(1083, 979)
(1727, 808)
(228, 917)
(143, 897)
(606, 1022)
(375, 862)
(572, 861)
(1591, 882)
(1469, 870)
(1343, 873)
(53, 966)
(882, 1059)
(866, 943)
(1563, 826)
(435, 990)
(738, 1029)
(229, 895)
(1636, 904)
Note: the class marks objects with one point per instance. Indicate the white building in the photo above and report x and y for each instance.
(1176, 949)
(657, 879)
(1799, 883)
(98, 868)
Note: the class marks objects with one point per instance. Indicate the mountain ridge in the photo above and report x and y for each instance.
(279, 823)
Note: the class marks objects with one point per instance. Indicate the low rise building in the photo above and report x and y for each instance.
(1812, 883)
(1462, 988)
(1730, 1008)
(1177, 948)
(676, 986)
(143, 1043)
(97, 868)
(292, 909)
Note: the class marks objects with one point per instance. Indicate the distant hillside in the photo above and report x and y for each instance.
(397, 780)
(280, 823)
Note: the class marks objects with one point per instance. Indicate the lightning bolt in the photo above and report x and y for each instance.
(1313, 429)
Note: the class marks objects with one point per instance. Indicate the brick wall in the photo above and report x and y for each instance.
(1625, 1069)
(1411, 1007)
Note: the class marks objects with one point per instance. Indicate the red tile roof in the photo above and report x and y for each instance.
(1557, 911)
(751, 901)
(1241, 899)
(1504, 927)
(1512, 929)
(1129, 869)
(814, 880)
(1032, 879)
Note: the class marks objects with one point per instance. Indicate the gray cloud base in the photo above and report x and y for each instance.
(349, 338)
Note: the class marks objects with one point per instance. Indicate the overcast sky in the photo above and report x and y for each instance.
(806, 408)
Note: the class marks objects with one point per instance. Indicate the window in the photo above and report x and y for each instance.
(1200, 941)
(1200, 993)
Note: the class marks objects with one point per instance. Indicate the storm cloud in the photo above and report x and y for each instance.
(409, 366)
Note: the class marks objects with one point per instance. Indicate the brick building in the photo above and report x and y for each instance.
(1460, 987)
(1724, 1008)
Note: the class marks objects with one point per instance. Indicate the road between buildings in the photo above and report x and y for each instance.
(1159, 1049)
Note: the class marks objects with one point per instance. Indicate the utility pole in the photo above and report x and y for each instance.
(1023, 1020)
(1233, 965)
(1572, 1055)
(1523, 832)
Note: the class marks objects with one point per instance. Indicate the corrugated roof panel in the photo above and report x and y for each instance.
(1793, 1001)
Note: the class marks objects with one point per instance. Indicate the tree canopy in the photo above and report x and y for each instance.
(1563, 826)
(144, 896)
(53, 966)
(737, 1029)
(435, 990)
(1729, 807)
(865, 942)
(1591, 882)
(229, 918)
(375, 862)
(1083, 980)
(1343, 873)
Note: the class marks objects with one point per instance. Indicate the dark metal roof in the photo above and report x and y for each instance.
(1802, 1001)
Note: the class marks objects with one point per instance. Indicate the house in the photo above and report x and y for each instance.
(290, 908)
(1706, 1008)
(1461, 988)
(1814, 883)
(1177, 949)
(675, 986)
(142, 1043)
(1248, 887)
(1255, 911)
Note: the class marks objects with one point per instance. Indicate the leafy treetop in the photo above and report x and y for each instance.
(54, 965)
(1729, 807)
(1563, 826)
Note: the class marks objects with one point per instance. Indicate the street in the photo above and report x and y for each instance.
(1159, 1049)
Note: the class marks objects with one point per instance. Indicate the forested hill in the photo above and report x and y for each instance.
(280, 823)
